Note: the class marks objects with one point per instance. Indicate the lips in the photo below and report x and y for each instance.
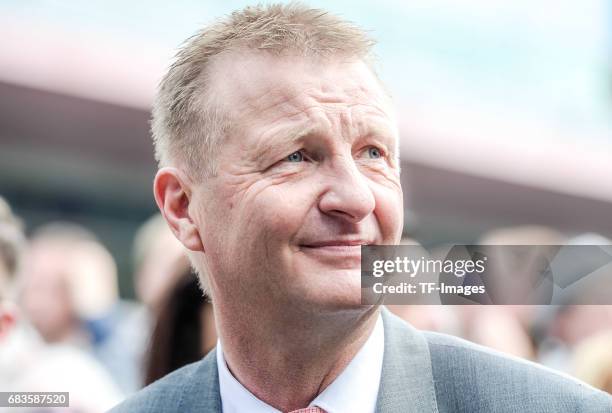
(337, 249)
(344, 253)
(337, 243)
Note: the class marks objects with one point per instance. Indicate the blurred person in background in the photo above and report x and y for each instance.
(592, 360)
(69, 279)
(561, 329)
(184, 329)
(69, 293)
(503, 328)
(439, 318)
(27, 363)
(508, 327)
(564, 328)
(158, 259)
(13, 335)
(12, 245)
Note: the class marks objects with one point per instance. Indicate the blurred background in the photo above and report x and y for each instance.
(505, 112)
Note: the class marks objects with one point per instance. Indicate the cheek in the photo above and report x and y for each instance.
(263, 216)
(280, 210)
(389, 212)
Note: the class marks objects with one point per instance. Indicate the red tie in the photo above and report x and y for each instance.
(314, 409)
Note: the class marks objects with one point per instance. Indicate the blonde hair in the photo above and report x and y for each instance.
(186, 123)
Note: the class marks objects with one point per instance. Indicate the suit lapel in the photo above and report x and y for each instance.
(407, 380)
(201, 393)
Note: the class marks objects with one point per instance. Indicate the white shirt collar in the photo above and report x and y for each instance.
(354, 390)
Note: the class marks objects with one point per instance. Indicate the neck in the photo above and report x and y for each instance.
(286, 358)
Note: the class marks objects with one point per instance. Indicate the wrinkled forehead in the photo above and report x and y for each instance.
(263, 86)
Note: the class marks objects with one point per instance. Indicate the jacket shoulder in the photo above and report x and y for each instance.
(194, 387)
(163, 395)
(473, 378)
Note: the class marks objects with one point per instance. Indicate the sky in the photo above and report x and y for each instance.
(544, 62)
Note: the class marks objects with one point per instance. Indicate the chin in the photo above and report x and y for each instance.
(332, 290)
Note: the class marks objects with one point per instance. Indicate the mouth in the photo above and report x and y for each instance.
(336, 248)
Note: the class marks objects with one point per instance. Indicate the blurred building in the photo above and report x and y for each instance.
(504, 111)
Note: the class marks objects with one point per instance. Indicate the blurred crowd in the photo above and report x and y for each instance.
(64, 326)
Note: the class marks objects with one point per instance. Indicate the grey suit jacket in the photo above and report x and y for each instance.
(422, 372)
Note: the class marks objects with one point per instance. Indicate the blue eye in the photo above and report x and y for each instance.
(295, 157)
(374, 152)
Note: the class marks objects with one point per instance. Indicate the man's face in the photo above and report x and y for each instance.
(45, 295)
(307, 175)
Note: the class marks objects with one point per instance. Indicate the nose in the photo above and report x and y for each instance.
(347, 194)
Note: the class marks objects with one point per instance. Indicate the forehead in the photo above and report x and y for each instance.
(262, 88)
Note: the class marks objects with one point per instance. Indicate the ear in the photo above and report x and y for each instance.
(173, 195)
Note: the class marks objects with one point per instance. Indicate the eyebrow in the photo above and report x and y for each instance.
(386, 135)
(283, 137)
(286, 137)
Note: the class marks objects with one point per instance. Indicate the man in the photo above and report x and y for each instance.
(279, 156)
